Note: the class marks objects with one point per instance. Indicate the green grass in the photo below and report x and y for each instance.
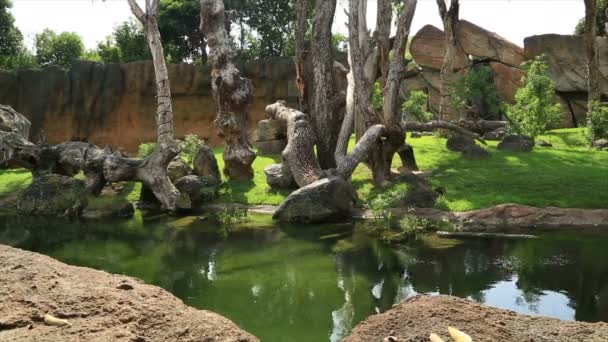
(567, 175)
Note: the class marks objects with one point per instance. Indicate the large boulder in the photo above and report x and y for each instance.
(177, 169)
(516, 143)
(416, 318)
(459, 143)
(14, 132)
(278, 178)
(475, 152)
(428, 47)
(566, 57)
(328, 199)
(479, 42)
(269, 129)
(508, 80)
(205, 163)
(199, 189)
(98, 306)
(52, 195)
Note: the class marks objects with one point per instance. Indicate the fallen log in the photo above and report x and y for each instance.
(440, 124)
(471, 235)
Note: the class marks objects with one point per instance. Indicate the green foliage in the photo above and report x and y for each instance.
(340, 42)
(602, 19)
(377, 97)
(597, 122)
(416, 106)
(11, 39)
(131, 42)
(178, 24)
(191, 145)
(23, 60)
(229, 218)
(108, 51)
(145, 149)
(411, 225)
(477, 90)
(384, 201)
(535, 110)
(58, 49)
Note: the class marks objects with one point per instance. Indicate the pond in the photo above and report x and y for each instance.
(316, 283)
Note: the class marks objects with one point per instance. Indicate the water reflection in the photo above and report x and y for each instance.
(316, 283)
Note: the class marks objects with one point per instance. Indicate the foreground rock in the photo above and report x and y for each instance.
(52, 195)
(99, 306)
(328, 199)
(516, 143)
(417, 317)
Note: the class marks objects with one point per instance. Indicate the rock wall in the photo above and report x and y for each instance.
(114, 104)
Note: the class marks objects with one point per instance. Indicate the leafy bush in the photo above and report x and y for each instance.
(381, 204)
(477, 90)
(411, 225)
(597, 122)
(24, 59)
(535, 110)
(191, 144)
(377, 97)
(416, 106)
(145, 150)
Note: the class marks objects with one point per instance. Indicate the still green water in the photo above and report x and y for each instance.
(316, 283)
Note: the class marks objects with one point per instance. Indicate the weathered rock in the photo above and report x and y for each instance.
(269, 129)
(479, 42)
(328, 199)
(516, 143)
(428, 47)
(543, 143)
(120, 209)
(459, 142)
(99, 306)
(508, 80)
(177, 169)
(416, 318)
(52, 195)
(601, 144)
(200, 189)
(495, 135)
(271, 147)
(475, 152)
(205, 163)
(277, 178)
(574, 106)
(566, 57)
(14, 132)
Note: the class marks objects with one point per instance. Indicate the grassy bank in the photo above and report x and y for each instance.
(569, 174)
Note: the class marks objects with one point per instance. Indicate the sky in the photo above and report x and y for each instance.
(93, 20)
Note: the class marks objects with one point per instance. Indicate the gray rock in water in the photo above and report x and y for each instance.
(271, 147)
(200, 189)
(271, 130)
(601, 144)
(112, 210)
(516, 143)
(177, 169)
(278, 179)
(328, 199)
(52, 195)
(205, 164)
(475, 152)
(458, 143)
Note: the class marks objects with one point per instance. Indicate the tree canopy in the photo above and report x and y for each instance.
(602, 19)
(11, 39)
(58, 49)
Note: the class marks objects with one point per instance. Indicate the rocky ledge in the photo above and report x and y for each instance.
(416, 318)
(98, 306)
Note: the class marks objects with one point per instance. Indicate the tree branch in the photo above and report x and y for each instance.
(442, 9)
(439, 124)
(137, 11)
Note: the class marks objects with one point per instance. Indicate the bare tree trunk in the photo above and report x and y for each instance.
(455, 60)
(323, 110)
(593, 86)
(233, 93)
(153, 171)
(301, 28)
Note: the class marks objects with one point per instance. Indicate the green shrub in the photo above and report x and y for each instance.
(382, 203)
(416, 106)
(411, 225)
(191, 144)
(377, 97)
(477, 91)
(23, 60)
(597, 122)
(145, 149)
(535, 110)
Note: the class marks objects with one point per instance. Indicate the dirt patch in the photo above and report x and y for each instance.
(98, 305)
(416, 318)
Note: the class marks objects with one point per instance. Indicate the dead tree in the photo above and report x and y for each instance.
(300, 36)
(593, 86)
(232, 92)
(454, 61)
(324, 104)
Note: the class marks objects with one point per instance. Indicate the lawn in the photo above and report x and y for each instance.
(569, 174)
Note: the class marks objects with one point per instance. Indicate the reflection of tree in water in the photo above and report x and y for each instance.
(579, 270)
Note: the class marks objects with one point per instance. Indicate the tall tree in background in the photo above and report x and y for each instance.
(455, 60)
(179, 27)
(593, 86)
(601, 19)
(11, 39)
(233, 92)
(58, 49)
